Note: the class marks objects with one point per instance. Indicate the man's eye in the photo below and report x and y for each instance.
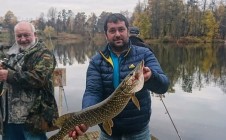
(111, 31)
(19, 36)
(24, 35)
(121, 29)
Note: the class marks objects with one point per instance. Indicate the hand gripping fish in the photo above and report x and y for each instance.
(104, 111)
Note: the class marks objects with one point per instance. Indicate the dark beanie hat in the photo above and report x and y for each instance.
(134, 30)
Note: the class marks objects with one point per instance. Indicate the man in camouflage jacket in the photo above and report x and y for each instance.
(28, 106)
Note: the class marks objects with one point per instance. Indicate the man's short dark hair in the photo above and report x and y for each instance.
(115, 18)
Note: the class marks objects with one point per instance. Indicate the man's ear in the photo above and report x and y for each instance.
(35, 34)
(106, 37)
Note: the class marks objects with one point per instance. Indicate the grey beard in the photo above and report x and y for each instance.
(23, 48)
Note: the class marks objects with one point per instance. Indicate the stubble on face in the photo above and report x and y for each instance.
(117, 36)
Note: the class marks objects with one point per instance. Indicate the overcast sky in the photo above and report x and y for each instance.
(27, 9)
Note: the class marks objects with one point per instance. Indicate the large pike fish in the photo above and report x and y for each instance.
(104, 111)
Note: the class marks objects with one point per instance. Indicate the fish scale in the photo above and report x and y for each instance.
(106, 110)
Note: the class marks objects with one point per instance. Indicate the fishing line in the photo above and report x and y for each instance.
(170, 118)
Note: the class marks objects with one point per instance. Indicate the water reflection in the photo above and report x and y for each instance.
(195, 100)
(75, 52)
(196, 97)
(194, 67)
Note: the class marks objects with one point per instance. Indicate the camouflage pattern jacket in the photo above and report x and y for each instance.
(30, 94)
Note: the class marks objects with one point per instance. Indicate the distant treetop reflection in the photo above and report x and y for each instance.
(192, 66)
(70, 53)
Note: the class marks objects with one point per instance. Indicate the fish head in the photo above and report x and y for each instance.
(134, 81)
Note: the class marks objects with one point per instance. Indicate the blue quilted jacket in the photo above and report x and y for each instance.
(99, 85)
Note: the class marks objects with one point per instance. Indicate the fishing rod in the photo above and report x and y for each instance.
(170, 117)
(7, 65)
(65, 98)
(2, 83)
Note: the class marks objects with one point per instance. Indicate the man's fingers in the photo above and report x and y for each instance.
(70, 133)
(78, 130)
(83, 128)
(146, 69)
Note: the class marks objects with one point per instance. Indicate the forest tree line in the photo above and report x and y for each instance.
(157, 19)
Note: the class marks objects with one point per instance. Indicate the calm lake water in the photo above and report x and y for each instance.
(195, 101)
(196, 98)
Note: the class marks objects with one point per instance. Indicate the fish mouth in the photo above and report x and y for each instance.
(138, 84)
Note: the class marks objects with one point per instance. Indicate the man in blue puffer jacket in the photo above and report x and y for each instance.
(109, 67)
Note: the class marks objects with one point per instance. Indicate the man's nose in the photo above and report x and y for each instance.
(117, 33)
(23, 38)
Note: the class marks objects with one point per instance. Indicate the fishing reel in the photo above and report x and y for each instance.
(4, 64)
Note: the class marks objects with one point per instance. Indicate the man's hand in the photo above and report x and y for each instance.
(78, 131)
(3, 74)
(147, 73)
(1, 65)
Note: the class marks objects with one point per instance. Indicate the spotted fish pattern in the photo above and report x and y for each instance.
(104, 111)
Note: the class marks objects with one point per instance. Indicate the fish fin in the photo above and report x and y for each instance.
(107, 126)
(111, 123)
(135, 101)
